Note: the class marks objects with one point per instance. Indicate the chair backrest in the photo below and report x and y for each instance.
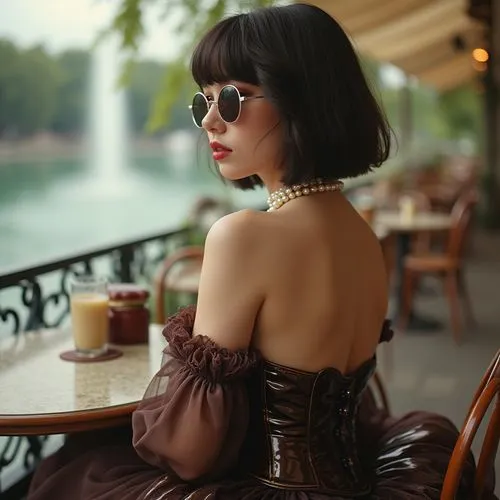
(193, 253)
(207, 210)
(488, 390)
(461, 171)
(461, 215)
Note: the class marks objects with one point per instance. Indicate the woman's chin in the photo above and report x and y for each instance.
(232, 173)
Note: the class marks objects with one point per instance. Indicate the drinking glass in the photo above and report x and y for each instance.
(89, 315)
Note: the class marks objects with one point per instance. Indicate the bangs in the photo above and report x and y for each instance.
(223, 54)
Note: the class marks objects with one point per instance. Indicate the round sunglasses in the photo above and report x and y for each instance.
(228, 104)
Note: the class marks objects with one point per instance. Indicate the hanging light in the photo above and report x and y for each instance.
(480, 55)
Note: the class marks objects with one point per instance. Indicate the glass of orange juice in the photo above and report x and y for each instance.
(89, 315)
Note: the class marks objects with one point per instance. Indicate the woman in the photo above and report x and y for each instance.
(262, 390)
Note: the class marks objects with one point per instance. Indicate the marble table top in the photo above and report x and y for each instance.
(421, 221)
(35, 381)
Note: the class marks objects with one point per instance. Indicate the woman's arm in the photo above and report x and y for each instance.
(194, 416)
(231, 292)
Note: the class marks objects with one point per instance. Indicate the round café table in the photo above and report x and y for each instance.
(403, 228)
(392, 221)
(42, 394)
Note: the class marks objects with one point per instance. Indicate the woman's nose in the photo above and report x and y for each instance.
(212, 120)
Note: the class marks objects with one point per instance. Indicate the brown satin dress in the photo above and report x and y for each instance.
(216, 424)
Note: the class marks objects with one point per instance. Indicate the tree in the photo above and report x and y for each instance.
(9, 62)
(194, 17)
(143, 84)
(461, 108)
(72, 96)
(28, 88)
(38, 79)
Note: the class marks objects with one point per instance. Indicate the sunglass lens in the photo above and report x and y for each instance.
(229, 104)
(199, 109)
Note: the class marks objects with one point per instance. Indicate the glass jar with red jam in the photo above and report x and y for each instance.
(128, 313)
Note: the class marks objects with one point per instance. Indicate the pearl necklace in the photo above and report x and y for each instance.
(283, 195)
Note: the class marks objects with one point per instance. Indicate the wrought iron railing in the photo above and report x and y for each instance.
(38, 297)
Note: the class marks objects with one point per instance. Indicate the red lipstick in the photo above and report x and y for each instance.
(219, 150)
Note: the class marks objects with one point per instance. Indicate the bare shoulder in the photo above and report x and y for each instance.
(236, 231)
(229, 281)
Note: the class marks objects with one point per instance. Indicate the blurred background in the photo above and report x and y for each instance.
(102, 171)
(78, 167)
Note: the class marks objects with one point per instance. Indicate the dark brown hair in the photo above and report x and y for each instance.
(304, 62)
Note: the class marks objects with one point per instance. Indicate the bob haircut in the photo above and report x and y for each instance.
(305, 64)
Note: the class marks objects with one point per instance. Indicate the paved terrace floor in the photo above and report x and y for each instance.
(431, 372)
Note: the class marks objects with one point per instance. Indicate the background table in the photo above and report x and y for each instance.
(42, 394)
(392, 221)
(403, 229)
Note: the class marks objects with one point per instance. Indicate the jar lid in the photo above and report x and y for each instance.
(127, 291)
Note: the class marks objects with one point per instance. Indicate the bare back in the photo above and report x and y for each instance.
(325, 285)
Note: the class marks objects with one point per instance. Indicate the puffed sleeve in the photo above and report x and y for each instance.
(194, 415)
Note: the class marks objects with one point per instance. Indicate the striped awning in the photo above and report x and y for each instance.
(430, 39)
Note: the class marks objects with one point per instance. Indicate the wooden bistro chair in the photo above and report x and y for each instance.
(448, 265)
(378, 390)
(489, 390)
(180, 271)
(421, 241)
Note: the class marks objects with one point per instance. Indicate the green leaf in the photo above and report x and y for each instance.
(128, 23)
(195, 17)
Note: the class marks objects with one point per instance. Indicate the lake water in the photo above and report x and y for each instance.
(52, 209)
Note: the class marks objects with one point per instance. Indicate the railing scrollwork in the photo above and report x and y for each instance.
(10, 314)
(39, 297)
(31, 294)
